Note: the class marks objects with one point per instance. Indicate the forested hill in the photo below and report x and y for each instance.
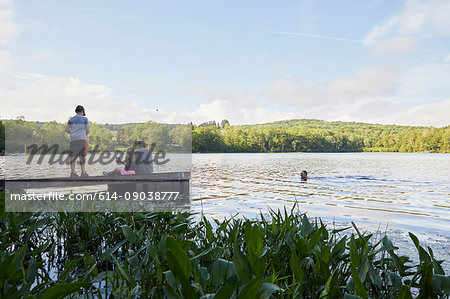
(311, 135)
(304, 135)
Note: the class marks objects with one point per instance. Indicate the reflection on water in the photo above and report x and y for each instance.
(411, 190)
(389, 192)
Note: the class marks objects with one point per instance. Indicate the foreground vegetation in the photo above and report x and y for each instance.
(283, 136)
(170, 255)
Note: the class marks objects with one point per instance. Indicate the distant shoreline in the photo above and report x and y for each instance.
(299, 135)
(361, 152)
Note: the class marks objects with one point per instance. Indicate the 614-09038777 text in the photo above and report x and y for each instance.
(98, 195)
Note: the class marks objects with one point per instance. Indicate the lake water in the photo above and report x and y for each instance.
(380, 192)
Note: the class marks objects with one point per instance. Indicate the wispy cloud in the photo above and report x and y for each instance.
(397, 45)
(316, 36)
(57, 97)
(364, 84)
(434, 114)
(421, 18)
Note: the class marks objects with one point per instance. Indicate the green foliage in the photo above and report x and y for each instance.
(282, 136)
(207, 139)
(319, 136)
(166, 255)
(99, 138)
(174, 138)
(181, 136)
(18, 133)
(53, 133)
(224, 123)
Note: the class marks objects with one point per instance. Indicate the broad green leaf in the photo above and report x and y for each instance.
(204, 275)
(171, 293)
(250, 290)
(267, 289)
(404, 293)
(31, 273)
(221, 270)
(296, 268)
(354, 256)
(241, 265)
(376, 280)
(339, 249)
(170, 279)
(437, 265)
(314, 239)
(325, 252)
(442, 284)
(395, 279)
(180, 255)
(423, 255)
(363, 269)
(426, 285)
(360, 236)
(129, 234)
(253, 239)
(306, 226)
(20, 255)
(209, 231)
(226, 290)
(186, 287)
(359, 287)
(387, 244)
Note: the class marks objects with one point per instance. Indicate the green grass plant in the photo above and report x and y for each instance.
(182, 255)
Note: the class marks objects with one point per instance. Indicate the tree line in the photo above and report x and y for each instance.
(309, 135)
(102, 137)
(282, 136)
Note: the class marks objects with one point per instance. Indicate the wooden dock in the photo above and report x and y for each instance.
(155, 182)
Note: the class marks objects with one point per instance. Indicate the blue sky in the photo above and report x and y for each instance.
(247, 61)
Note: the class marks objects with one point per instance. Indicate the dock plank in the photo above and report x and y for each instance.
(95, 180)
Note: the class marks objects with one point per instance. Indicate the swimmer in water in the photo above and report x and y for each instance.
(304, 175)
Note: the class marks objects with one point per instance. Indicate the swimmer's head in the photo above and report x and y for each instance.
(304, 175)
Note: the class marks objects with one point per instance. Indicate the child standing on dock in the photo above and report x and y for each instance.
(78, 128)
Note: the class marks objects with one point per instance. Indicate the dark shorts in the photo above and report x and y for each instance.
(78, 148)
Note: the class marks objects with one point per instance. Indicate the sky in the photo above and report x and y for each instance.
(249, 62)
